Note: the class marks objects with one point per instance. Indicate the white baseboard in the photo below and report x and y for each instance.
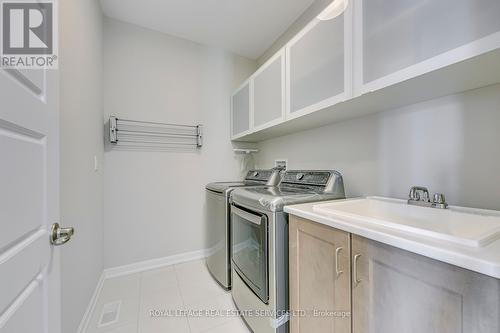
(155, 263)
(82, 328)
(137, 268)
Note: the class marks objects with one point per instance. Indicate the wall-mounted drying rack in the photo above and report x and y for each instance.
(161, 135)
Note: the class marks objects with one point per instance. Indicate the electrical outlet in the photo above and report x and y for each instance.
(282, 164)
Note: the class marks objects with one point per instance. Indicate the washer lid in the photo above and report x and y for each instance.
(273, 199)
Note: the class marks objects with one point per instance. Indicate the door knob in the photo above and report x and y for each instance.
(59, 236)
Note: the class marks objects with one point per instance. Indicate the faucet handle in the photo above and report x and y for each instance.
(439, 201)
(439, 198)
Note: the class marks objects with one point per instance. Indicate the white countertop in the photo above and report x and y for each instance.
(485, 260)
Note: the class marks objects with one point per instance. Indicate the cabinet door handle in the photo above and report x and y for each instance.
(355, 270)
(337, 270)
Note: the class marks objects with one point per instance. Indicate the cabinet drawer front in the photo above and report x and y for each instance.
(401, 292)
(319, 278)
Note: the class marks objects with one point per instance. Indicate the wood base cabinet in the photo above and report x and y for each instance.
(320, 274)
(395, 291)
(390, 290)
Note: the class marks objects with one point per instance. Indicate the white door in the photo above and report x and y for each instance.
(29, 201)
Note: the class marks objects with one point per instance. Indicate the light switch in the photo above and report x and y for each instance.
(96, 163)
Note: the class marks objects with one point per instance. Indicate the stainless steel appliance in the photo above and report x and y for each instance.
(259, 242)
(218, 220)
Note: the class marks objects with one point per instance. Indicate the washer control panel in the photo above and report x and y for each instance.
(307, 177)
(261, 175)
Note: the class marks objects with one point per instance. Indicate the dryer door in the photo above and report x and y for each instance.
(250, 249)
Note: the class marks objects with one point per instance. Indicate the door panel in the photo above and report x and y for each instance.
(240, 109)
(269, 92)
(249, 249)
(402, 292)
(18, 263)
(317, 65)
(24, 315)
(319, 277)
(31, 79)
(29, 201)
(395, 37)
(21, 176)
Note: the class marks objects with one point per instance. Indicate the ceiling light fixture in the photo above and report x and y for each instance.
(336, 8)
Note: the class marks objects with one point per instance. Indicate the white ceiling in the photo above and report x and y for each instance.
(245, 27)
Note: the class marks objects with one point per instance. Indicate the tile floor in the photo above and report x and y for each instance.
(186, 287)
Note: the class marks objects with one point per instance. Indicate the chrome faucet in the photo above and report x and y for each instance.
(419, 196)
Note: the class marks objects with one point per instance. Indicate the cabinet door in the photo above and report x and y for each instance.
(240, 111)
(269, 92)
(318, 66)
(395, 291)
(399, 34)
(319, 278)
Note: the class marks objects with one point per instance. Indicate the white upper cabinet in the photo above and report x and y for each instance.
(240, 111)
(403, 39)
(363, 56)
(319, 65)
(269, 92)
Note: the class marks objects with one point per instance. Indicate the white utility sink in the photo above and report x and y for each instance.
(464, 226)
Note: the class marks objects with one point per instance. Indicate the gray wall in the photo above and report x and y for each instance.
(154, 201)
(81, 139)
(450, 144)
